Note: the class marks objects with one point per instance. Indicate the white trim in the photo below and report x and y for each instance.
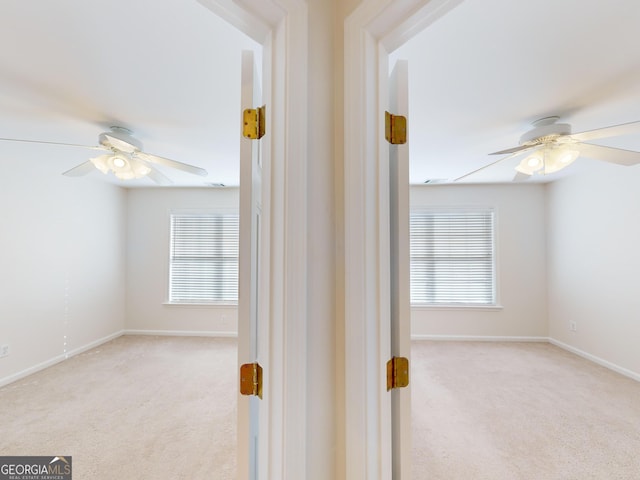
(58, 358)
(183, 333)
(448, 308)
(218, 306)
(477, 338)
(600, 361)
(95, 343)
(204, 210)
(281, 26)
(368, 455)
(416, 17)
(240, 17)
(289, 251)
(363, 381)
(270, 305)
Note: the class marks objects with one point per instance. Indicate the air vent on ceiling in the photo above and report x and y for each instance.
(431, 181)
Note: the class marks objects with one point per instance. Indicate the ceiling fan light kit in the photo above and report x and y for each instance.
(122, 168)
(556, 155)
(548, 160)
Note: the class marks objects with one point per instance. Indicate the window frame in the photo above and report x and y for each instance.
(194, 212)
(495, 304)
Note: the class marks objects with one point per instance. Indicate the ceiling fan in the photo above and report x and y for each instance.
(125, 158)
(551, 147)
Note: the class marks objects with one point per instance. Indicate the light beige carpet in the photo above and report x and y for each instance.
(134, 408)
(517, 411)
(165, 408)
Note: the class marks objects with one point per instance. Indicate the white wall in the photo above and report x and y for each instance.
(521, 257)
(148, 261)
(321, 237)
(594, 263)
(62, 257)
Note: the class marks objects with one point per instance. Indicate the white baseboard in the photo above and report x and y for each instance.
(62, 357)
(58, 358)
(477, 338)
(611, 366)
(186, 333)
(181, 333)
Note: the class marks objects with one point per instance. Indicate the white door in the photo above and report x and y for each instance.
(252, 345)
(400, 300)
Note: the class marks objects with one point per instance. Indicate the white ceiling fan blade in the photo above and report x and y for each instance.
(521, 177)
(480, 169)
(158, 177)
(80, 170)
(92, 147)
(171, 163)
(513, 155)
(520, 148)
(613, 131)
(609, 154)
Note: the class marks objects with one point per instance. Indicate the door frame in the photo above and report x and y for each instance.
(280, 27)
(372, 31)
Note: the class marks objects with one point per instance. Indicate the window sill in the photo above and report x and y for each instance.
(202, 305)
(457, 307)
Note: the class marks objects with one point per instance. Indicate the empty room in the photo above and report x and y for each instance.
(209, 271)
(524, 313)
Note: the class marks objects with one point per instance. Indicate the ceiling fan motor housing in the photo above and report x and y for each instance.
(545, 130)
(120, 139)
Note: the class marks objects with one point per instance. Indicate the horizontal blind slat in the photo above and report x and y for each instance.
(204, 258)
(452, 256)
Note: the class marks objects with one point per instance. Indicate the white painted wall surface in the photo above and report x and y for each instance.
(594, 263)
(321, 271)
(521, 267)
(148, 261)
(62, 257)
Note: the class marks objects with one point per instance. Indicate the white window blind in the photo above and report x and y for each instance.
(452, 257)
(204, 258)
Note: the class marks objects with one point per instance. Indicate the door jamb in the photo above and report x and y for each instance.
(280, 26)
(374, 29)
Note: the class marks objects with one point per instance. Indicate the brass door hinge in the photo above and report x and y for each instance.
(397, 373)
(253, 123)
(395, 128)
(251, 379)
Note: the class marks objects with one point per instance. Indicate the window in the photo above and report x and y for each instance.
(452, 257)
(204, 258)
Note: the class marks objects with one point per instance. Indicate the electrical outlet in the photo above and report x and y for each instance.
(4, 350)
(572, 326)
